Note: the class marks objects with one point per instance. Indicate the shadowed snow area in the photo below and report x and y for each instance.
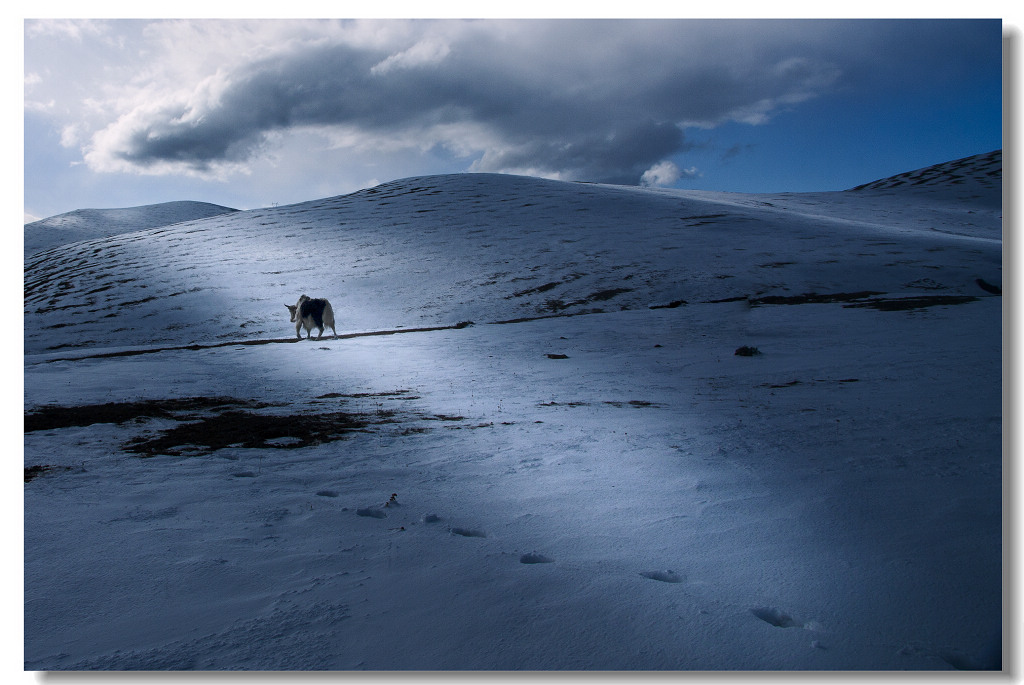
(563, 426)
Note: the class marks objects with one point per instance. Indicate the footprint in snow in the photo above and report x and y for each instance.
(468, 532)
(774, 616)
(534, 558)
(664, 576)
(372, 513)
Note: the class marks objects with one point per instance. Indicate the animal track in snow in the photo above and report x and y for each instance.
(534, 558)
(775, 617)
(664, 576)
(780, 619)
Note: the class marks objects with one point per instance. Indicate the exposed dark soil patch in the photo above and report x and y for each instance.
(249, 429)
(33, 472)
(553, 305)
(488, 424)
(988, 287)
(794, 383)
(525, 319)
(395, 394)
(603, 295)
(671, 305)
(49, 417)
(202, 425)
(539, 289)
(782, 385)
(813, 298)
(702, 219)
(901, 304)
(866, 298)
(444, 417)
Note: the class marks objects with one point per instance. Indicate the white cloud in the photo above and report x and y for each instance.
(73, 29)
(666, 173)
(425, 52)
(71, 136)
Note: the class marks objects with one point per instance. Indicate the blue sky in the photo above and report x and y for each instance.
(249, 113)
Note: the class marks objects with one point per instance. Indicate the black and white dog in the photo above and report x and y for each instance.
(312, 313)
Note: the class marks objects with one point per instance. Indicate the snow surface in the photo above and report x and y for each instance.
(587, 477)
(83, 224)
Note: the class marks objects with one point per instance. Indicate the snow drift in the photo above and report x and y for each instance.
(535, 444)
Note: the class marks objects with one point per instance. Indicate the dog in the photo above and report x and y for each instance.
(312, 313)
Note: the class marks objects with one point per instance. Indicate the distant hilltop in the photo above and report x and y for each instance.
(976, 179)
(85, 224)
(983, 171)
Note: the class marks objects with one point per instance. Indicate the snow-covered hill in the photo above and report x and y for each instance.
(83, 224)
(976, 179)
(685, 430)
(480, 247)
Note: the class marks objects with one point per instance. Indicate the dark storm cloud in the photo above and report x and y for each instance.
(591, 100)
(621, 157)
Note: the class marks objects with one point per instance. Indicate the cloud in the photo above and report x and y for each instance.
(581, 99)
(422, 53)
(73, 29)
(618, 156)
(666, 173)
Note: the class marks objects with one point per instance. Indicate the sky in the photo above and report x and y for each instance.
(253, 113)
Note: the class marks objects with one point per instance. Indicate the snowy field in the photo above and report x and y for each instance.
(533, 445)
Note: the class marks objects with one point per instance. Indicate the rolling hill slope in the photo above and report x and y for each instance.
(478, 247)
(686, 431)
